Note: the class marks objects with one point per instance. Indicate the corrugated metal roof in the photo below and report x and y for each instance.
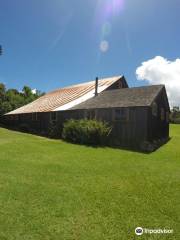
(65, 98)
(125, 97)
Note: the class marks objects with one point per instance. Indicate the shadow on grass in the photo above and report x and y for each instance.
(119, 147)
(152, 147)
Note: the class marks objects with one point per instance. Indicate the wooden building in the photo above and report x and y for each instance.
(137, 115)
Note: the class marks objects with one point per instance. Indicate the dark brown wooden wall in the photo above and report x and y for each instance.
(158, 128)
(130, 132)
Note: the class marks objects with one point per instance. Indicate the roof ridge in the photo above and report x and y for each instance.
(138, 87)
(146, 86)
(153, 85)
(86, 83)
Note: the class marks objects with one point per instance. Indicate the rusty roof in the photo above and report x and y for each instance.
(65, 98)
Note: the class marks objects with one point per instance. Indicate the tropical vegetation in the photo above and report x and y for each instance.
(11, 99)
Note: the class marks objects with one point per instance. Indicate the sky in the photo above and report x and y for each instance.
(48, 44)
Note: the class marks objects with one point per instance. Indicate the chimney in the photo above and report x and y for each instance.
(96, 87)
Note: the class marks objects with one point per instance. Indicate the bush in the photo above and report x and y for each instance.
(53, 130)
(175, 117)
(176, 121)
(84, 131)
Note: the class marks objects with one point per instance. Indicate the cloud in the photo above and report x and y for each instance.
(159, 70)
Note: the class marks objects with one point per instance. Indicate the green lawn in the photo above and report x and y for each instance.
(54, 190)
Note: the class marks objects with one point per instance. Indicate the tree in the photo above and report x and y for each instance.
(2, 90)
(12, 99)
(175, 115)
(27, 91)
(5, 107)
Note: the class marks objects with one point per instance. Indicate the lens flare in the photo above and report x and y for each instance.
(112, 7)
(106, 11)
(104, 46)
(118, 5)
(106, 29)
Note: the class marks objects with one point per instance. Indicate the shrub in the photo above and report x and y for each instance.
(53, 130)
(86, 131)
(175, 117)
(177, 121)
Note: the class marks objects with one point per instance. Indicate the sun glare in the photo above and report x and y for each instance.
(106, 11)
(113, 7)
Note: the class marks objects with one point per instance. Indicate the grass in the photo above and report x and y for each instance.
(52, 190)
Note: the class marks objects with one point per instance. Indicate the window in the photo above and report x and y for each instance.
(121, 114)
(11, 117)
(53, 116)
(91, 114)
(162, 114)
(16, 117)
(120, 84)
(154, 109)
(34, 116)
